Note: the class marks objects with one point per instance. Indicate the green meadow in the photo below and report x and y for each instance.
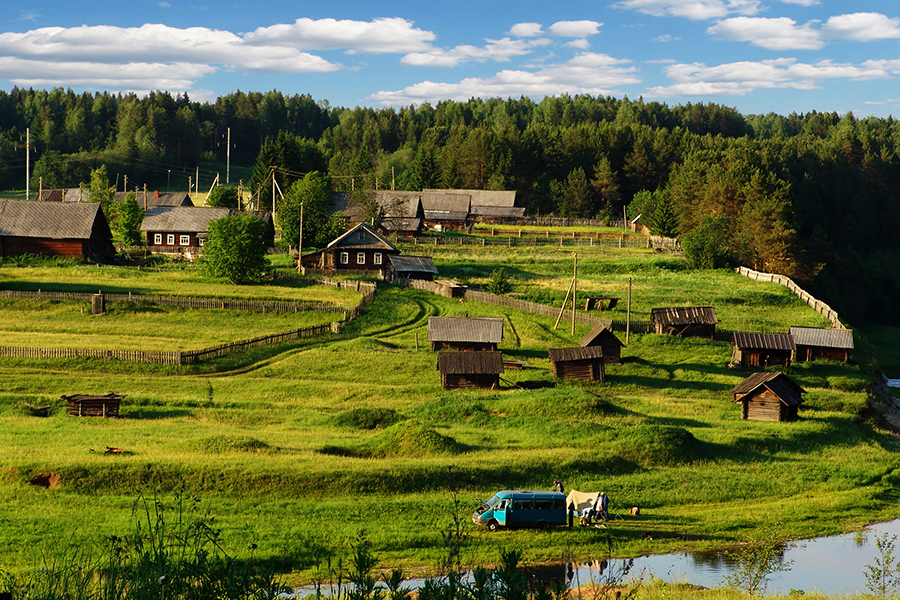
(301, 447)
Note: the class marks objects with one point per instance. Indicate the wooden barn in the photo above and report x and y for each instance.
(54, 229)
(685, 321)
(466, 334)
(470, 369)
(177, 228)
(93, 405)
(361, 250)
(822, 343)
(582, 362)
(411, 267)
(488, 206)
(768, 396)
(150, 199)
(398, 212)
(602, 337)
(761, 350)
(445, 210)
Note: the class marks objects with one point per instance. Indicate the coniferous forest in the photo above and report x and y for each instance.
(814, 196)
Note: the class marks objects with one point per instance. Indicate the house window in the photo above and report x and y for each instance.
(360, 258)
(345, 258)
(157, 239)
(362, 235)
(377, 259)
(184, 240)
(170, 239)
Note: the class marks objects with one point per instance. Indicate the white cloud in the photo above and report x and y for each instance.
(587, 73)
(29, 16)
(773, 34)
(526, 30)
(581, 44)
(496, 50)
(393, 35)
(862, 27)
(802, 2)
(666, 38)
(575, 29)
(741, 78)
(691, 9)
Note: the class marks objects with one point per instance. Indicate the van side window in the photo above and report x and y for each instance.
(560, 504)
(543, 504)
(522, 504)
(502, 504)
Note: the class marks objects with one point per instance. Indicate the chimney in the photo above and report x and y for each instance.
(157, 193)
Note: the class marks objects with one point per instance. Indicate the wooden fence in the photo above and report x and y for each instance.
(578, 241)
(817, 305)
(180, 301)
(195, 356)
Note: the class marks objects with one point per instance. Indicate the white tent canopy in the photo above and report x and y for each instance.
(582, 500)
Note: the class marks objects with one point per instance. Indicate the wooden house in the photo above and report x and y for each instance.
(685, 321)
(443, 210)
(178, 228)
(768, 396)
(361, 250)
(822, 343)
(465, 333)
(761, 350)
(411, 267)
(582, 362)
(54, 229)
(93, 405)
(150, 199)
(470, 369)
(605, 339)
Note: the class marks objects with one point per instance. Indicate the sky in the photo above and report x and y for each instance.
(758, 56)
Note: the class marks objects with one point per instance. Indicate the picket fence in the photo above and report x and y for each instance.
(817, 305)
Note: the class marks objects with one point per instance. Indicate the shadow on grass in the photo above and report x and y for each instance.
(153, 414)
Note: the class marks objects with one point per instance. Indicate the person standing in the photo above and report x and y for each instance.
(558, 485)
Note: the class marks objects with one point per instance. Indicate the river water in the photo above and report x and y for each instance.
(834, 566)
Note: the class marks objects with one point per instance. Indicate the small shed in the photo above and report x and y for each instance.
(411, 267)
(768, 396)
(480, 334)
(761, 350)
(450, 289)
(582, 362)
(93, 405)
(685, 321)
(470, 369)
(822, 343)
(605, 339)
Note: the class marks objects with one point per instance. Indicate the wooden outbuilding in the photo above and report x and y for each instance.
(411, 267)
(582, 362)
(685, 321)
(761, 350)
(466, 334)
(602, 337)
(444, 210)
(470, 369)
(822, 343)
(398, 212)
(769, 396)
(150, 199)
(54, 229)
(93, 405)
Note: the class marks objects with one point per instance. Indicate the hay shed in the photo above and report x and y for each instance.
(93, 405)
(465, 333)
(768, 396)
(602, 337)
(822, 343)
(761, 350)
(685, 321)
(470, 369)
(582, 362)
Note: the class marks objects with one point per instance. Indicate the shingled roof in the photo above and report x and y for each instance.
(576, 353)
(763, 341)
(181, 218)
(50, 220)
(486, 330)
(496, 198)
(823, 337)
(413, 264)
(779, 383)
(684, 315)
(470, 363)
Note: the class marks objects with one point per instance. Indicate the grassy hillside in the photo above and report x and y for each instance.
(298, 448)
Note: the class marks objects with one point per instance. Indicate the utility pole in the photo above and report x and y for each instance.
(300, 243)
(628, 318)
(28, 163)
(197, 181)
(125, 187)
(574, 286)
(228, 157)
(392, 178)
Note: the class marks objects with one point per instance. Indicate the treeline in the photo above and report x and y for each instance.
(812, 196)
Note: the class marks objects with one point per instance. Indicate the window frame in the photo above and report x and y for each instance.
(360, 258)
(345, 258)
(157, 239)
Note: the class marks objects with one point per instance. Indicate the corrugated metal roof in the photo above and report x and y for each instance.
(597, 332)
(576, 353)
(181, 218)
(52, 220)
(471, 363)
(485, 330)
(781, 385)
(684, 315)
(823, 337)
(763, 341)
(417, 264)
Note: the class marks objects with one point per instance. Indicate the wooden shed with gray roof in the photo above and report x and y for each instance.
(761, 350)
(470, 369)
(446, 210)
(602, 337)
(482, 334)
(822, 343)
(175, 228)
(54, 229)
(768, 396)
(685, 321)
(411, 267)
(582, 362)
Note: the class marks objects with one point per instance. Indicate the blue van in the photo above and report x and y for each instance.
(522, 508)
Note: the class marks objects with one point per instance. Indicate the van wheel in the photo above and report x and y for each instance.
(493, 525)
(544, 525)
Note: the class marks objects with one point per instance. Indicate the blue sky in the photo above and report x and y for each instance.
(758, 56)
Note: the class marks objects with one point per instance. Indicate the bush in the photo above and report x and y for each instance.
(236, 248)
(500, 282)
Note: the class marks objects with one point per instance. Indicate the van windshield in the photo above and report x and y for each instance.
(493, 501)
